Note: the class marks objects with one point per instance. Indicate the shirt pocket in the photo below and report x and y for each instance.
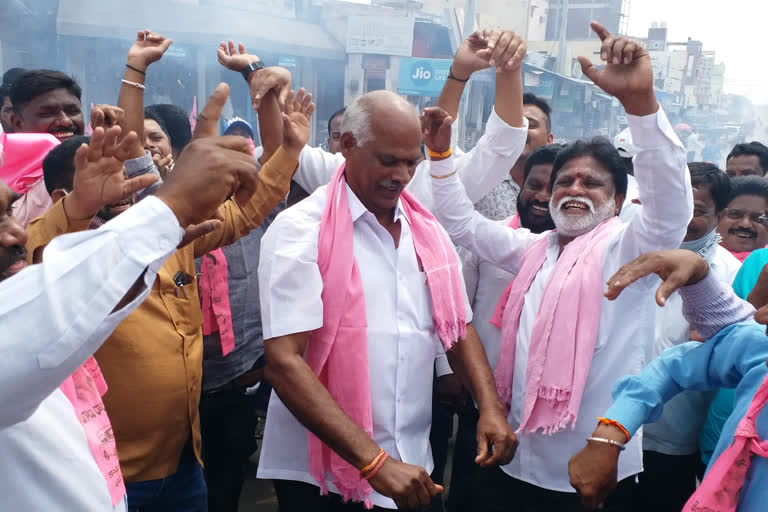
(182, 304)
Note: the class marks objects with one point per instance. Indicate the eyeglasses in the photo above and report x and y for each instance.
(755, 217)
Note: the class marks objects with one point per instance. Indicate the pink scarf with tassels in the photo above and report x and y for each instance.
(84, 389)
(338, 351)
(721, 489)
(564, 333)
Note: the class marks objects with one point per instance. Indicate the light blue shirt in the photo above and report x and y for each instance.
(735, 357)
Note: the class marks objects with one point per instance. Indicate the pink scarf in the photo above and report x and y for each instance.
(741, 256)
(84, 389)
(338, 351)
(214, 299)
(564, 333)
(719, 492)
(23, 155)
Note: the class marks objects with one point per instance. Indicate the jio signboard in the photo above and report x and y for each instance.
(422, 77)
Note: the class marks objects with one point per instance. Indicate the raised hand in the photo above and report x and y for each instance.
(107, 116)
(676, 267)
(210, 169)
(235, 59)
(409, 486)
(164, 164)
(627, 75)
(260, 82)
(149, 47)
(296, 121)
(99, 179)
(436, 129)
(487, 48)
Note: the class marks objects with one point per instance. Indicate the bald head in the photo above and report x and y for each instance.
(381, 144)
(378, 111)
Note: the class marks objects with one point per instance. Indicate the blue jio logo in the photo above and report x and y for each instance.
(421, 73)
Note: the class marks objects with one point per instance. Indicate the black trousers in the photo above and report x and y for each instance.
(666, 482)
(227, 426)
(495, 491)
(465, 451)
(302, 497)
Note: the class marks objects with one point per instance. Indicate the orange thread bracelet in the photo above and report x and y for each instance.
(378, 467)
(606, 421)
(372, 465)
(440, 154)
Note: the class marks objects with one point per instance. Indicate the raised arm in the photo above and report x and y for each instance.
(269, 89)
(720, 362)
(710, 307)
(102, 267)
(490, 161)
(660, 164)
(148, 48)
(274, 177)
(489, 240)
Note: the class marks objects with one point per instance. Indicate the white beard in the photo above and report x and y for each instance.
(577, 225)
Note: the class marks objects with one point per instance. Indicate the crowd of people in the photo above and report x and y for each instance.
(589, 314)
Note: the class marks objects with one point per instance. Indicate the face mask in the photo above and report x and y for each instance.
(704, 246)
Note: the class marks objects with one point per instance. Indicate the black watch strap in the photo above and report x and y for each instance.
(253, 66)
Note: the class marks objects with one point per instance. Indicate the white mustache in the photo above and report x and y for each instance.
(587, 201)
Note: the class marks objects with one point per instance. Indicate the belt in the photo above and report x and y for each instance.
(246, 380)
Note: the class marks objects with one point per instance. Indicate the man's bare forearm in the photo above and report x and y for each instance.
(469, 360)
(311, 403)
(131, 100)
(450, 97)
(509, 97)
(270, 126)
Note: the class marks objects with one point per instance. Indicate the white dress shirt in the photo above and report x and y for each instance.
(485, 283)
(484, 167)
(629, 208)
(626, 324)
(403, 348)
(677, 431)
(54, 316)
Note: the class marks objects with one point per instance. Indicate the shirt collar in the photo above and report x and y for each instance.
(357, 209)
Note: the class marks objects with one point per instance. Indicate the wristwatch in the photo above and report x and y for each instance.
(253, 66)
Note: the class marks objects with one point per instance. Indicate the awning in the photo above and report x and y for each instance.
(198, 25)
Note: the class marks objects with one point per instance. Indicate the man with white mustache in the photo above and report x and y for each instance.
(563, 344)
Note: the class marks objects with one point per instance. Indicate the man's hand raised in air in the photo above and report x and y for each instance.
(260, 81)
(627, 74)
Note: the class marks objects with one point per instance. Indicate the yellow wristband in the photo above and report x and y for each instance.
(444, 154)
(372, 465)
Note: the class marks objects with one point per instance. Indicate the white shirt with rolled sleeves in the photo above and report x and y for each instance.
(481, 169)
(54, 316)
(626, 324)
(403, 350)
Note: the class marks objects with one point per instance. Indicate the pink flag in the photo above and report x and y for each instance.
(193, 115)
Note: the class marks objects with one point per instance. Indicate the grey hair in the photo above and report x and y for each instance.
(357, 121)
(357, 118)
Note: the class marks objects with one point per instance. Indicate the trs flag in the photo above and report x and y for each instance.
(193, 115)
